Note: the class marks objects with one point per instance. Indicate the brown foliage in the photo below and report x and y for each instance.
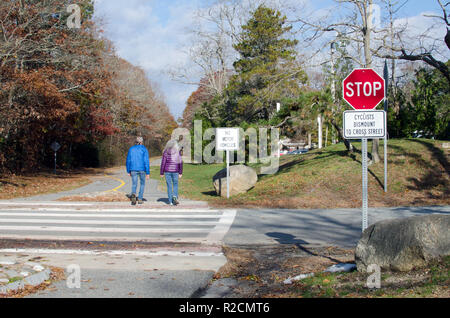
(57, 83)
(202, 95)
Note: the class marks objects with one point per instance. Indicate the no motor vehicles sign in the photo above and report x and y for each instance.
(227, 139)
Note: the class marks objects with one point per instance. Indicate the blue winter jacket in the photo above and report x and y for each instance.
(137, 159)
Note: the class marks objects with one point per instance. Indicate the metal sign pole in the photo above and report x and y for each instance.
(386, 79)
(55, 146)
(365, 199)
(228, 174)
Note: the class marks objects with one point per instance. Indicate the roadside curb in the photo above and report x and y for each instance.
(33, 280)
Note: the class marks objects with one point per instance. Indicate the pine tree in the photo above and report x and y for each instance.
(266, 71)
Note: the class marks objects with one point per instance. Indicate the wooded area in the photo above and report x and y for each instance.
(267, 58)
(68, 85)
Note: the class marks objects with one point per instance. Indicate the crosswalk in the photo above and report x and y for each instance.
(114, 223)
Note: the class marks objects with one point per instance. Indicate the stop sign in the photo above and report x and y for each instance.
(363, 89)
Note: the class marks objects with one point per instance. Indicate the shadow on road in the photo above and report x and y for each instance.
(284, 238)
(164, 200)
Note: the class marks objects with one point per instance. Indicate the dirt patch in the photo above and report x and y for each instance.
(111, 196)
(261, 271)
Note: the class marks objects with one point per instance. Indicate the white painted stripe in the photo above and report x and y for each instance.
(98, 230)
(142, 216)
(223, 226)
(201, 240)
(112, 253)
(12, 203)
(113, 210)
(106, 222)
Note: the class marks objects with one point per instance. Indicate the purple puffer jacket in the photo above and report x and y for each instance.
(171, 162)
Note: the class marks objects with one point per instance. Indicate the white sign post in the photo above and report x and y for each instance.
(364, 125)
(227, 139)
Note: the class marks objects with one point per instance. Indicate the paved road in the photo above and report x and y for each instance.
(167, 271)
(117, 182)
(337, 227)
(187, 240)
(113, 222)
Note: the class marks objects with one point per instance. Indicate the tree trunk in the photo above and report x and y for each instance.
(347, 143)
(375, 153)
(368, 59)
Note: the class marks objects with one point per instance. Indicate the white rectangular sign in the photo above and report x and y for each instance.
(364, 124)
(227, 139)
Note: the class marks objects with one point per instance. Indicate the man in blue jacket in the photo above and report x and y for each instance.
(138, 166)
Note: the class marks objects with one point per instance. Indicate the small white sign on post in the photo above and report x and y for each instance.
(227, 139)
(364, 124)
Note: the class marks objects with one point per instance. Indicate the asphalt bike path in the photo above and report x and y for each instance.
(179, 247)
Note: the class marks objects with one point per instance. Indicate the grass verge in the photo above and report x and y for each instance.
(418, 175)
(261, 271)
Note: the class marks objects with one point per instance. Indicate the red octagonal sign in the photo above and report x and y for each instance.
(364, 89)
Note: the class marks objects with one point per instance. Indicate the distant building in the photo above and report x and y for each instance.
(288, 145)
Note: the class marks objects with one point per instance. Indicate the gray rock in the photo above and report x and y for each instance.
(33, 280)
(38, 278)
(404, 244)
(12, 286)
(8, 261)
(12, 273)
(242, 179)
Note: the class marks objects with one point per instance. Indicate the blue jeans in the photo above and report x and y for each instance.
(134, 181)
(172, 182)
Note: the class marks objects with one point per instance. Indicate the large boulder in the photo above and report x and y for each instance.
(404, 244)
(242, 179)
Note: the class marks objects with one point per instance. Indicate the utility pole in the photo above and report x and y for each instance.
(386, 78)
(333, 86)
(319, 121)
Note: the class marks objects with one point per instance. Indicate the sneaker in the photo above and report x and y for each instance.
(175, 201)
(133, 199)
(140, 201)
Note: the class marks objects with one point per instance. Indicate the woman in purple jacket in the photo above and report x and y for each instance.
(172, 169)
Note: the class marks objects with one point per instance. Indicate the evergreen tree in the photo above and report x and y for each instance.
(266, 71)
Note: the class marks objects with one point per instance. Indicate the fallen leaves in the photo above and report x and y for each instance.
(14, 186)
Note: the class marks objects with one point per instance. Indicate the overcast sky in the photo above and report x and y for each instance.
(151, 33)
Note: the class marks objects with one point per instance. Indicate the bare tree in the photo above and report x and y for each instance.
(210, 49)
(422, 50)
(355, 28)
(210, 46)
